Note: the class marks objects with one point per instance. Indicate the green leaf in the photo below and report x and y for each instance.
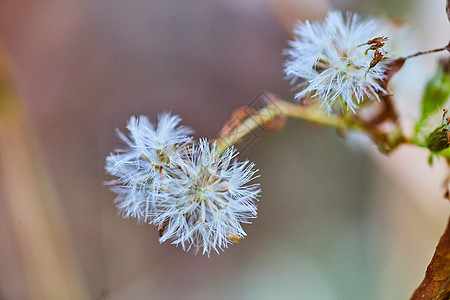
(436, 93)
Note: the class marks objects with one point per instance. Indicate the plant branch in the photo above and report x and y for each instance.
(275, 109)
(429, 51)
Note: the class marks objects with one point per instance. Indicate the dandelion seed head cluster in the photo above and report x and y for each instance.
(331, 62)
(195, 193)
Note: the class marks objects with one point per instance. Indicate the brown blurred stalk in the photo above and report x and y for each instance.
(46, 253)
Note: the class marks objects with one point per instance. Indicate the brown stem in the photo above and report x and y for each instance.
(386, 141)
(429, 51)
(436, 284)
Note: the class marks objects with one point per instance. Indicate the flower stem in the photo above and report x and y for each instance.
(284, 108)
(310, 114)
(265, 114)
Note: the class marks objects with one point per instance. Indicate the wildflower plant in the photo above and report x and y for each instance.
(198, 194)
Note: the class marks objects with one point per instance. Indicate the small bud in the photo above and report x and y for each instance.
(377, 57)
(379, 54)
(439, 139)
(378, 41)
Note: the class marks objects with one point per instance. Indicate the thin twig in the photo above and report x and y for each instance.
(428, 52)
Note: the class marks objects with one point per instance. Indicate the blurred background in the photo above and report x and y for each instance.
(335, 221)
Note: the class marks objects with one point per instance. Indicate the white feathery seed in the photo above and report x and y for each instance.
(330, 63)
(139, 167)
(205, 201)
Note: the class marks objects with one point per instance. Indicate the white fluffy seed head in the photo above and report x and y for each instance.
(206, 199)
(196, 194)
(330, 64)
(138, 167)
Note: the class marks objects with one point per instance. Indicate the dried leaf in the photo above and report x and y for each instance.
(436, 284)
(242, 113)
(393, 67)
(388, 112)
(238, 116)
(276, 124)
(448, 10)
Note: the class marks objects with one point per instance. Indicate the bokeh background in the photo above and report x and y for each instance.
(335, 221)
